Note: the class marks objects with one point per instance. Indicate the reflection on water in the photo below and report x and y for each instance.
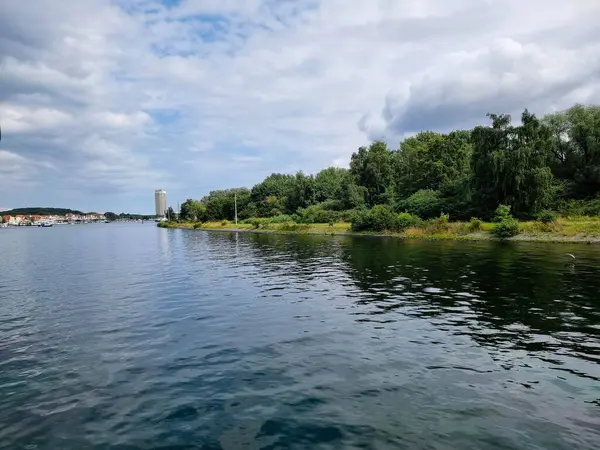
(130, 336)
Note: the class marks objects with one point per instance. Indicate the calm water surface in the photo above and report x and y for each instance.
(126, 336)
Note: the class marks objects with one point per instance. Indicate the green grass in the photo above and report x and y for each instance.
(582, 229)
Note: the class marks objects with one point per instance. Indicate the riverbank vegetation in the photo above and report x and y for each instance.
(542, 175)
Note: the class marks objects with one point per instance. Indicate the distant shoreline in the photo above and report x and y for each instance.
(325, 230)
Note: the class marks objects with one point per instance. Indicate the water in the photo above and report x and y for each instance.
(125, 336)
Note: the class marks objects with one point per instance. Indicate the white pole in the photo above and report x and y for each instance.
(235, 206)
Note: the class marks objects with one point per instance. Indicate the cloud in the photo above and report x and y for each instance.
(114, 99)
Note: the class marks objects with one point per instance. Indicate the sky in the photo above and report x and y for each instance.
(102, 102)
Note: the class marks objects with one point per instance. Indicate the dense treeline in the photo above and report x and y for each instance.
(540, 164)
(39, 211)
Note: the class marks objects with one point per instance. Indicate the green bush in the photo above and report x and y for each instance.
(197, 225)
(474, 225)
(425, 203)
(318, 214)
(502, 212)
(506, 228)
(257, 222)
(224, 223)
(546, 216)
(332, 205)
(406, 220)
(379, 218)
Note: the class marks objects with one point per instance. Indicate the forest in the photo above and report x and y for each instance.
(547, 165)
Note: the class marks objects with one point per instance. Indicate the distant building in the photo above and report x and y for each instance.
(160, 202)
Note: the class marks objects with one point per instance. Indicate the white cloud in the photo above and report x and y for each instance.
(119, 98)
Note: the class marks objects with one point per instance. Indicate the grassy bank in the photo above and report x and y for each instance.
(580, 229)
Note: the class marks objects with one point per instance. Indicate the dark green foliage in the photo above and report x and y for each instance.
(506, 225)
(328, 184)
(506, 228)
(193, 210)
(553, 163)
(575, 149)
(510, 165)
(406, 220)
(546, 216)
(378, 218)
(171, 214)
(40, 211)
(318, 214)
(425, 203)
(110, 216)
(372, 169)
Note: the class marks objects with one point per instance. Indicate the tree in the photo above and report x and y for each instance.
(352, 195)
(170, 214)
(328, 184)
(192, 210)
(220, 204)
(301, 194)
(575, 149)
(510, 165)
(371, 168)
(110, 216)
(270, 196)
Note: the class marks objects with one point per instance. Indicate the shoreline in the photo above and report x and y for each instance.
(552, 238)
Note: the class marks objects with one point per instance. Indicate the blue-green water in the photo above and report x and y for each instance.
(125, 336)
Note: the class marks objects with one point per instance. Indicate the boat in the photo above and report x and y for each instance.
(45, 225)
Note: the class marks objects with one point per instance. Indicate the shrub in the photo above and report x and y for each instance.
(546, 216)
(332, 205)
(406, 220)
(425, 203)
(439, 224)
(502, 212)
(379, 218)
(257, 222)
(506, 228)
(348, 215)
(383, 218)
(224, 223)
(474, 225)
(318, 214)
(197, 225)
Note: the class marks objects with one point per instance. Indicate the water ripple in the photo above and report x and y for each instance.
(130, 336)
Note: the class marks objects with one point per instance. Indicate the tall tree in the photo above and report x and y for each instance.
(510, 165)
(328, 183)
(575, 150)
(192, 210)
(301, 194)
(372, 169)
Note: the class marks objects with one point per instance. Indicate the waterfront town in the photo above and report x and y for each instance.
(46, 220)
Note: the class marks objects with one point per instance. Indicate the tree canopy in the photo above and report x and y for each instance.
(538, 164)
